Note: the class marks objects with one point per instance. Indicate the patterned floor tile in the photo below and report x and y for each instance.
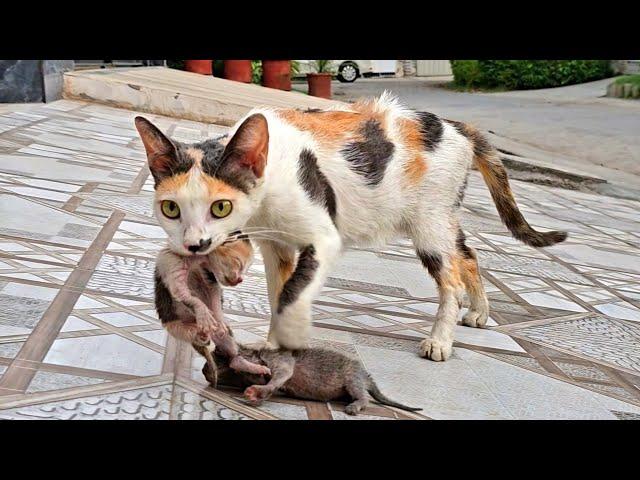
(530, 266)
(151, 403)
(45, 381)
(598, 338)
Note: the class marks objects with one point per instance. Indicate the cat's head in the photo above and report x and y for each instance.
(205, 191)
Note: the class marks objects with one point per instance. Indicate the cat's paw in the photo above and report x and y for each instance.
(475, 318)
(436, 350)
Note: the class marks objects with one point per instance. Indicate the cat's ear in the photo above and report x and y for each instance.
(161, 152)
(248, 148)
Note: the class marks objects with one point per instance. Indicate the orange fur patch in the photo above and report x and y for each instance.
(216, 188)
(172, 183)
(240, 250)
(470, 275)
(415, 167)
(285, 270)
(330, 126)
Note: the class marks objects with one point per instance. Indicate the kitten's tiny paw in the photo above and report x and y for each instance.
(263, 370)
(206, 321)
(252, 395)
(435, 350)
(352, 409)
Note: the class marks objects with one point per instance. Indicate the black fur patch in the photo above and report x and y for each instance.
(301, 277)
(461, 191)
(212, 152)
(432, 262)
(370, 157)
(210, 277)
(164, 301)
(462, 247)
(431, 130)
(213, 164)
(315, 183)
(179, 162)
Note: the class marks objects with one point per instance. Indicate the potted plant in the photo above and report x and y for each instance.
(238, 70)
(320, 81)
(276, 74)
(204, 67)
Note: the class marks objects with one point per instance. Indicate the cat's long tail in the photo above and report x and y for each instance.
(495, 176)
(375, 392)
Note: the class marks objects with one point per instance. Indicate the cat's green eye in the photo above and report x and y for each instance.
(221, 208)
(170, 209)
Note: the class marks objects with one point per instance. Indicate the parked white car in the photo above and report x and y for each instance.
(350, 70)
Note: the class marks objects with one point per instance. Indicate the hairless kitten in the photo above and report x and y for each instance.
(189, 301)
(311, 373)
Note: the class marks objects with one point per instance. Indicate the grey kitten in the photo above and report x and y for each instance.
(311, 373)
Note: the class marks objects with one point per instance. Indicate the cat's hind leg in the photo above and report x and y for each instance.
(357, 389)
(436, 249)
(478, 312)
(282, 368)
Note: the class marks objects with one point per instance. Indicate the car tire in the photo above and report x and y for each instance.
(348, 72)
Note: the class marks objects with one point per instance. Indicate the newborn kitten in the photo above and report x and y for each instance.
(189, 300)
(311, 373)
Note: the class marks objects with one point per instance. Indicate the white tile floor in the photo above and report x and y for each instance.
(63, 178)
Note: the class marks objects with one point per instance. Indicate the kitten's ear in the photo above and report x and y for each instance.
(248, 148)
(161, 152)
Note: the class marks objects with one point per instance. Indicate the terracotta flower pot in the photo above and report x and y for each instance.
(319, 84)
(204, 67)
(238, 70)
(276, 74)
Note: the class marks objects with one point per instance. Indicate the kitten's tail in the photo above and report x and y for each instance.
(495, 176)
(375, 392)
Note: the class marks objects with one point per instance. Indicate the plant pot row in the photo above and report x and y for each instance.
(275, 74)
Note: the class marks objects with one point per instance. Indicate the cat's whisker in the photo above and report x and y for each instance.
(268, 238)
(270, 233)
(294, 236)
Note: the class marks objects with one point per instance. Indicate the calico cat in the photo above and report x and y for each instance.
(304, 185)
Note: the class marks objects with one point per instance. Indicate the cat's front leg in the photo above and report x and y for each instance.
(291, 320)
